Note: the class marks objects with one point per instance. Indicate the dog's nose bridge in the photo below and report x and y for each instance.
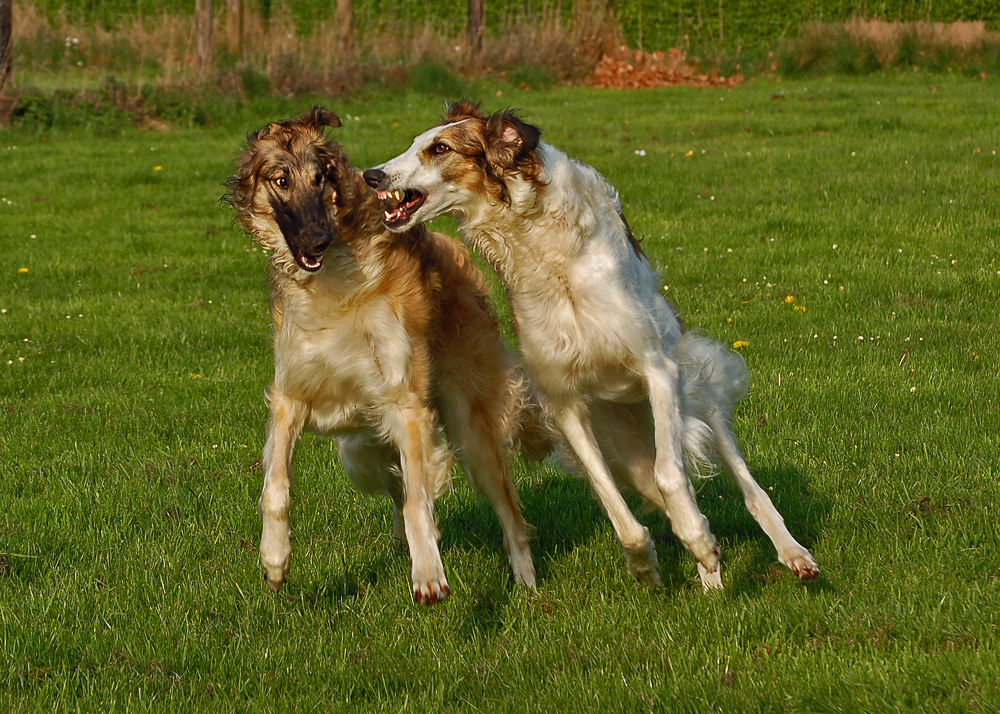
(373, 177)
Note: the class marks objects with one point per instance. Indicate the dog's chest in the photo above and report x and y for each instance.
(343, 363)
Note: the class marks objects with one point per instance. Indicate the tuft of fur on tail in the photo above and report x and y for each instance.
(536, 437)
(713, 379)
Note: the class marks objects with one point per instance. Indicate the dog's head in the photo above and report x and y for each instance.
(285, 186)
(469, 157)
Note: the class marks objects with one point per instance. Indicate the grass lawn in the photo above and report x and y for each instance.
(847, 231)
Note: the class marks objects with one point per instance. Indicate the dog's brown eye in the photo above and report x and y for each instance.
(440, 148)
(282, 182)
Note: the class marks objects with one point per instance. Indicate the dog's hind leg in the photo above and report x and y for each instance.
(640, 553)
(790, 552)
(283, 430)
(373, 467)
(687, 522)
(426, 469)
(479, 438)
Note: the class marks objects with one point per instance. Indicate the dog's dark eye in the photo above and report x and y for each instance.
(318, 179)
(440, 149)
(282, 182)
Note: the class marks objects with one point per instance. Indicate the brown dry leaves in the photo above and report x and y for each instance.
(630, 69)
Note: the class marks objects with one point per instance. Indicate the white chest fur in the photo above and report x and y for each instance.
(343, 360)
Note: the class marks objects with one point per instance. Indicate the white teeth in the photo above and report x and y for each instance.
(388, 216)
(383, 195)
(399, 195)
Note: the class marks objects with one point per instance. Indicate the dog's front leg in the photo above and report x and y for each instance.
(283, 430)
(640, 552)
(687, 522)
(426, 468)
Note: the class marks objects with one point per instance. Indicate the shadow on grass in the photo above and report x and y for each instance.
(803, 510)
(565, 515)
(562, 512)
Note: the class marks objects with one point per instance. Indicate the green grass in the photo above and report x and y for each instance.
(132, 429)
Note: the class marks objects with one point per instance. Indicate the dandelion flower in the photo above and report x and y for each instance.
(789, 299)
(22, 270)
(157, 168)
(740, 344)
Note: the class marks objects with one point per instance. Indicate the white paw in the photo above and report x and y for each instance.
(431, 591)
(275, 554)
(642, 563)
(429, 584)
(275, 567)
(802, 564)
(524, 572)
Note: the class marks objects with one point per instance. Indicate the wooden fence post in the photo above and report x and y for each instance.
(345, 25)
(234, 26)
(6, 40)
(203, 36)
(475, 27)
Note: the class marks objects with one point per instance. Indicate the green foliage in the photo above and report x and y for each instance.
(429, 77)
(736, 26)
(135, 349)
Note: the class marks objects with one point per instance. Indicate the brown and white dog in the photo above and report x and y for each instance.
(380, 339)
(638, 401)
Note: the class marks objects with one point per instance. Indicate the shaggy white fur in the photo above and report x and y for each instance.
(635, 398)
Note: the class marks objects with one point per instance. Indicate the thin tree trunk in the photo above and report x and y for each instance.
(203, 35)
(6, 40)
(234, 26)
(345, 25)
(475, 27)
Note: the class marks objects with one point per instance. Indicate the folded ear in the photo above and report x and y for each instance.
(510, 138)
(319, 116)
(273, 126)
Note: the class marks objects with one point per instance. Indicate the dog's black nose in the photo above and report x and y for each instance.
(373, 177)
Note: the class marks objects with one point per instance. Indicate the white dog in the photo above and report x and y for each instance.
(636, 399)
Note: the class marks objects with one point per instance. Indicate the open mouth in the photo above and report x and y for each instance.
(308, 262)
(401, 205)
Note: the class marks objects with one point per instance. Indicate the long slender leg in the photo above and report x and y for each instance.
(425, 473)
(790, 551)
(688, 523)
(283, 430)
(640, 553)
(479, 440)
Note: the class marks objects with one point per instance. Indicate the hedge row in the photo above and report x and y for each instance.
(653, 24)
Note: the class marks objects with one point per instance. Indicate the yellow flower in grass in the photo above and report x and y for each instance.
(22, 270)
(789, 299)
(799, 308)
(740, 344)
